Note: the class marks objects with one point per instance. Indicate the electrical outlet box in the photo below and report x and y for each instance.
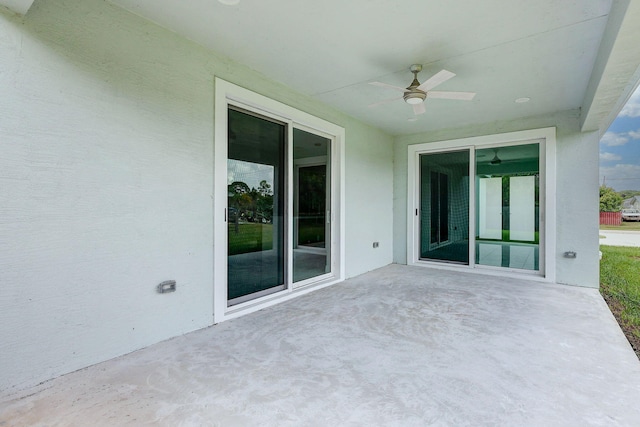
(376, 244)
(166, 286)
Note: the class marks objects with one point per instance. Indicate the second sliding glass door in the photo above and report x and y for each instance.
(505, 214)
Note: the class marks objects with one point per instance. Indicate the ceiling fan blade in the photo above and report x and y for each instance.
(386, 101)
(463, 96)
(435, 80)
(419, 109)
(380, 84)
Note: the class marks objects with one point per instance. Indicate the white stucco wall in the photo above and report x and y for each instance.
(368, 177)
(576, 190)
(106, 170)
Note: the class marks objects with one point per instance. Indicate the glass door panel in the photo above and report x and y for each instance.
(490, 208)
(507, 206)
(311, 202)
(444, 207)
(522, 207)
(256, 204)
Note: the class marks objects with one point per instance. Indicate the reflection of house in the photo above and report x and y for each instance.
(120, 117)
(631, 203)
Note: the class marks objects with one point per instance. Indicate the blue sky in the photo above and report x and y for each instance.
(620, 148)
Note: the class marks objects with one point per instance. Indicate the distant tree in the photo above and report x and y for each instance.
(239, 199)
(626, 194)
(610, 200)
(265, 188)
(264, 203)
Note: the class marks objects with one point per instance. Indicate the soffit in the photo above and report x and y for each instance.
(617, 68)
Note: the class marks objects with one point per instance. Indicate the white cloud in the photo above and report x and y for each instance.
(613, 139)
(249, 173)
(607, 157)
(621, 176)
(622, 170)
(632, 107)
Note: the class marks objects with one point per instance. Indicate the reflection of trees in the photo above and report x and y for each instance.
(264, 201)
(250, 204)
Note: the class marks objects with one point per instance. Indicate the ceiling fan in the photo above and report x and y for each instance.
(416, 93)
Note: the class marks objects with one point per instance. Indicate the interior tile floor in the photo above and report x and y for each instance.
(523, 256)
(399, 346)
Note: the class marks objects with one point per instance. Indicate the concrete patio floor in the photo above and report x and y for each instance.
(399, 346)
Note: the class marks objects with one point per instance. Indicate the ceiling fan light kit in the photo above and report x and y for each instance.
(416, 93)
(414, 97)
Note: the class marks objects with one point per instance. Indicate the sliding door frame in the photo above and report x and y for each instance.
(230, 95)
(546, 137)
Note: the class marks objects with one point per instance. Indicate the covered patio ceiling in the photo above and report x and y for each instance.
(391, 347)
(563, 55)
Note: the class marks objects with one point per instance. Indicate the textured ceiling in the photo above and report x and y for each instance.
(332, 49)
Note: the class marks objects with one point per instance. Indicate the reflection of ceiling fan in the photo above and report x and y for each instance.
(416, 93)
(496, 160)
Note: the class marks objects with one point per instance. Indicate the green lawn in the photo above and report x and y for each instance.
(631, 225)
(251, 237)
(620, 286)
(312, 233)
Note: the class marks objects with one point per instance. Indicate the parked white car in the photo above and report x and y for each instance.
(630, 215)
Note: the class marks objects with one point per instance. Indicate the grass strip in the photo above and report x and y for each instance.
(626, 225)
(620, 287)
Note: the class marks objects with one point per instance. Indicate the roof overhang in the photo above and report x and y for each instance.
(617, 70)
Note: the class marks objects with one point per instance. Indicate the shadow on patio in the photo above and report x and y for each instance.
(397, 346)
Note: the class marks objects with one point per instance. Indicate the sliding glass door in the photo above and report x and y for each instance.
(278, 229)
(276, 238)
(505, 211)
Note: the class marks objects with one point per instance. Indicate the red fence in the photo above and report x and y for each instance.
(610, 218)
